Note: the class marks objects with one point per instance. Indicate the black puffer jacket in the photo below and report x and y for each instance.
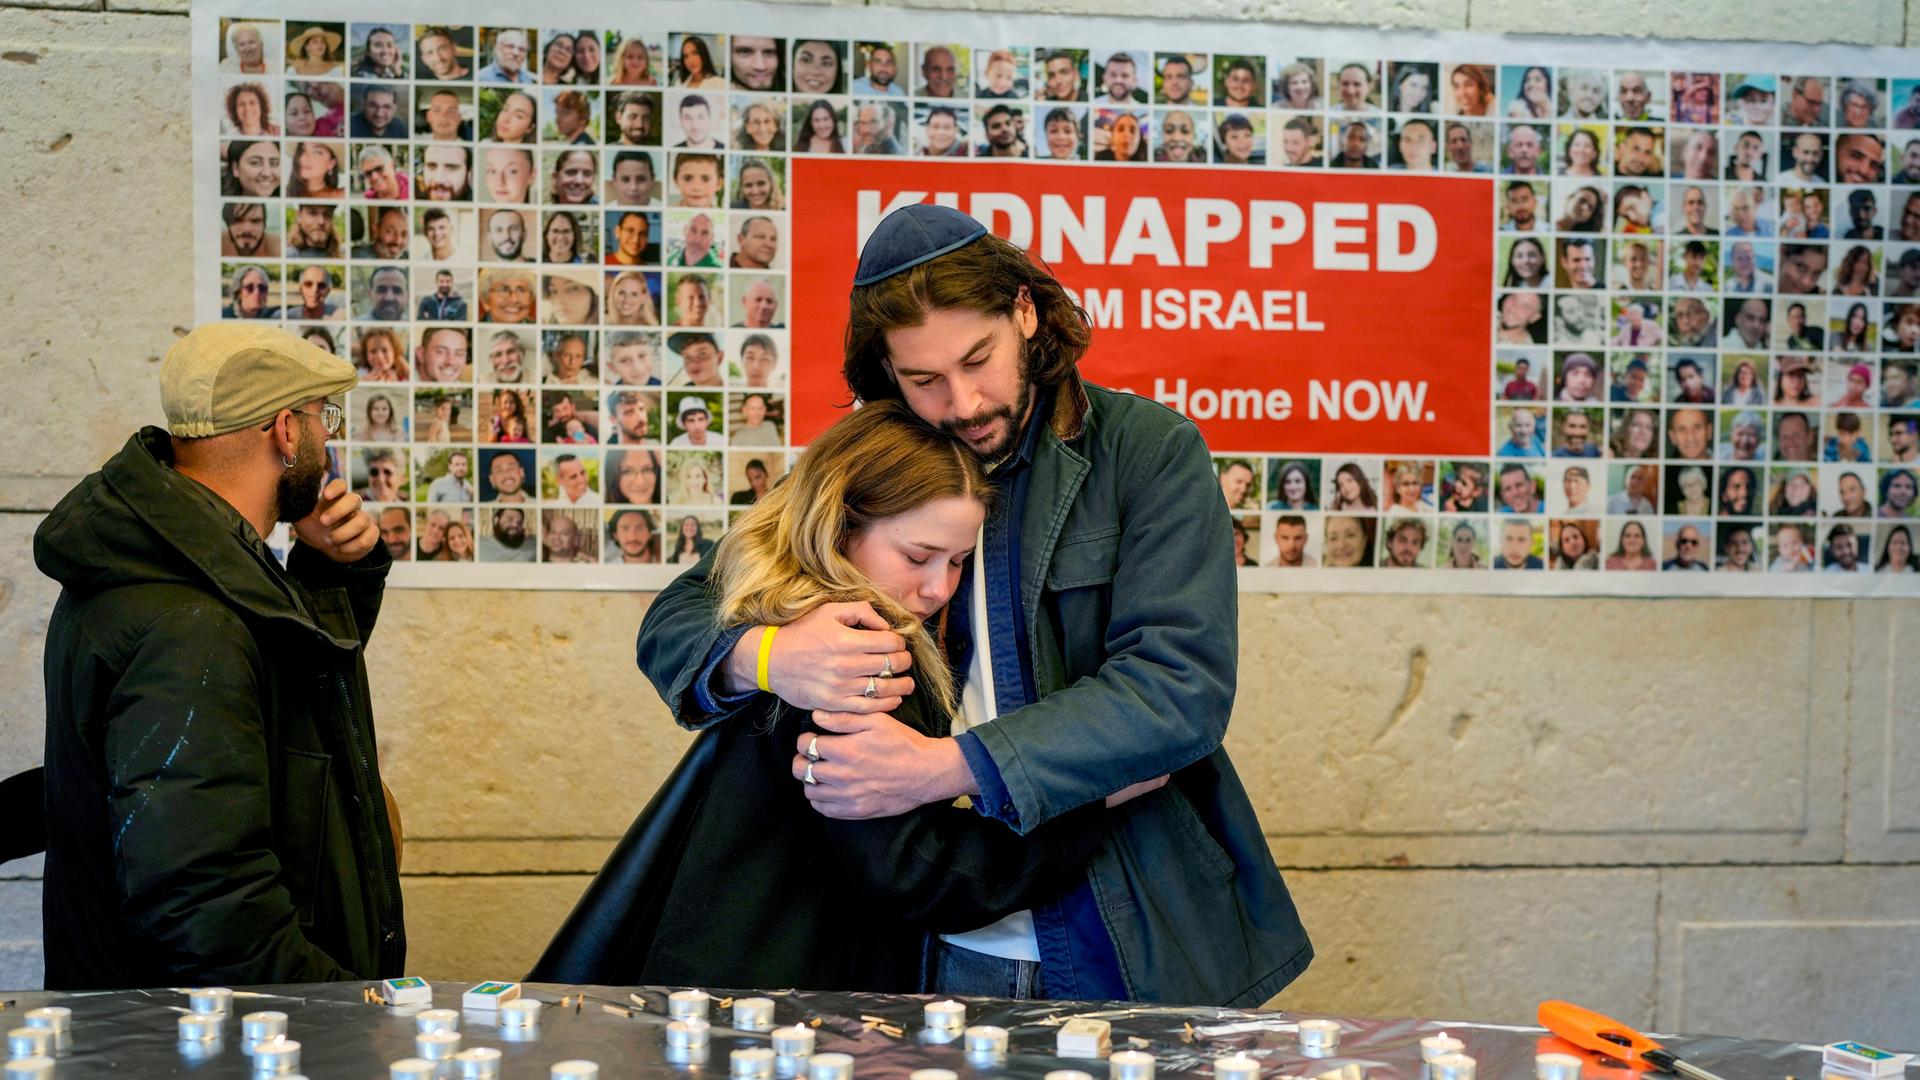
(215, 811)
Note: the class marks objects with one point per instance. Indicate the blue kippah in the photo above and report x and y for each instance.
(912, 235)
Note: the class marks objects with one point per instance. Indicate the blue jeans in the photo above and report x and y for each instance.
(954, 970)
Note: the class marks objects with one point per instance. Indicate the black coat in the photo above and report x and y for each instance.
(214, 806)
(731, 879)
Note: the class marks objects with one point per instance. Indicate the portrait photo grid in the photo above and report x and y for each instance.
(559, 259)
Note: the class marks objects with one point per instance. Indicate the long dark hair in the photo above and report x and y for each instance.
(1306, 478)
(803, 136)
(1753, 490)
(1849, 340)
(1368, 500)
(1512, 278)
(986, 276)
(233, 152)
(706, 58)
(1913, 559)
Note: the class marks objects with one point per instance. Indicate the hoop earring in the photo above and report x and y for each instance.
(286, 463)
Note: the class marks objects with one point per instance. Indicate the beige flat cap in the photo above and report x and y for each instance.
(227, 375)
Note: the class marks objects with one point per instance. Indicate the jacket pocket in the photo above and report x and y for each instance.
(1082, 561)
(304, 807)
(1194, 830)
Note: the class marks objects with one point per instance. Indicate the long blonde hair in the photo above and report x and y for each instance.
(786, 556)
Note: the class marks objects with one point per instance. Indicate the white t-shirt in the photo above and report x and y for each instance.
(1011, 938)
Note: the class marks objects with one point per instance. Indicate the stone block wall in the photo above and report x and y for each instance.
(1695, 815)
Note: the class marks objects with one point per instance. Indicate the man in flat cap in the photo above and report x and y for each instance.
(1095, 626)
(215, 810)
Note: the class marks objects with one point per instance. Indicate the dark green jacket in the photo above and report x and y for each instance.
(215, 813)
(1132, 619)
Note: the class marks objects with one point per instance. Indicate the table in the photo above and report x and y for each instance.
(134, 1033)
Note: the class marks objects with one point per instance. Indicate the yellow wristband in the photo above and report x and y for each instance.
(766, 654)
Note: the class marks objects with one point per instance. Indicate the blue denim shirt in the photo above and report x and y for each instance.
(1077, 958)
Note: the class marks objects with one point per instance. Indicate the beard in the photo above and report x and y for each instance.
(1000, 451)
(298, 490)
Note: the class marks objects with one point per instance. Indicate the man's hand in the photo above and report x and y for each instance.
(822, 660)
(338, 528)
(875, 767)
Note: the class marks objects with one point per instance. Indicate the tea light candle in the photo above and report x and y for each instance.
(1452, 1067)
(30, 1068)
(411, 1069)
(688, 1034)
(1440, 1045)
(1556, 1067)
(437, 1045)
(753, 1063)
(1068, 1074)
(1130, 1065)
(688, 1004)
(54, 1018)
(213, 999)
(933, 1074)
(262, 1026)
(29, 1042)
(440, 1020)
(753, 1014)
(1320, 1034)
(199, 1027)
(574, 1070)
(276, 1057)
(479, 1063)
(946, 1015)
(986, 1039)
(520, 1013)
(793, 1042)
(830, 1067)
(1237, 1067)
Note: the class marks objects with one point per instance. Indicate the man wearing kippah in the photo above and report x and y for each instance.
(1096, 626)
(215, 810)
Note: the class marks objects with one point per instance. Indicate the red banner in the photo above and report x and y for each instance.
(1285, 312)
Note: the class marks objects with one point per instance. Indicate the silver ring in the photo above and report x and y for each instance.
(873, 688)
(813, 754)
(808, 779)
(886, 667)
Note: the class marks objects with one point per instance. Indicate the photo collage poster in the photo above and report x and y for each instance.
(559, 252)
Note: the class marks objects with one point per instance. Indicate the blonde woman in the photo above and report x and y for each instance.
(634, 64)
(880, 513)
(758, 187)
(630, 302)
(695, 485)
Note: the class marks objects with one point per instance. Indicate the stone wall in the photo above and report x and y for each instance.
(1696, 815)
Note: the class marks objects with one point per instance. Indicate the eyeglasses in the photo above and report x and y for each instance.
(331, 418)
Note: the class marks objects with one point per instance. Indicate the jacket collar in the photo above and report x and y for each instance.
(1058, 472)
(207, 533)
